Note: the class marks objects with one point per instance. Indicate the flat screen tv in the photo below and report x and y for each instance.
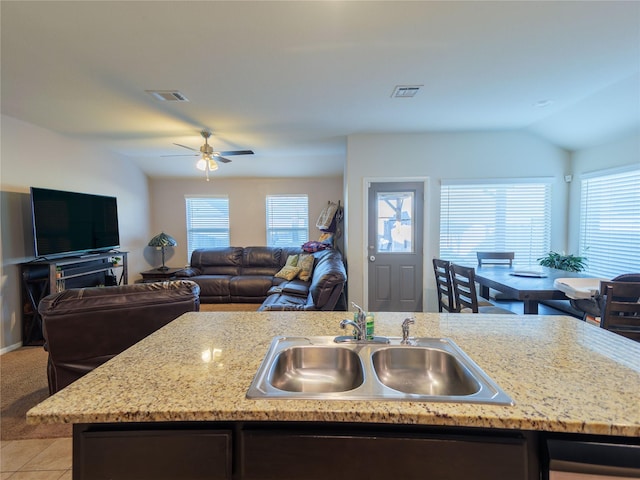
(70, 223)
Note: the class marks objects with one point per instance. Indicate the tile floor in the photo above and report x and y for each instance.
(42, 459)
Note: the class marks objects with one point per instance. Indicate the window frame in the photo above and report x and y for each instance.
(610, 239)
(531, 238)
(299, 234)
(218, 225)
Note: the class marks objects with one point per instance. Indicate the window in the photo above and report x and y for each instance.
(610, 222)
(395, 222)
(287, 220)
(207, 222)
(497, 215)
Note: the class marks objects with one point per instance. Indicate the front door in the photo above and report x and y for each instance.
(395, 239)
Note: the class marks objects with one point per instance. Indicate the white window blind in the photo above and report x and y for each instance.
(497, 216)
(610, 222)
(287, 220)
(207, 222)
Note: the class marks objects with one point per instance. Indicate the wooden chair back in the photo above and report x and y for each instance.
(622, 308)
(444, 287)
(495, 258)
(464, 288)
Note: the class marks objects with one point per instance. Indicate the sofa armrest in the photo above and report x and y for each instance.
(189, 272)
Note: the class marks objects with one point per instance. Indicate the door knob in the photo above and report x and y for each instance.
(372, 258)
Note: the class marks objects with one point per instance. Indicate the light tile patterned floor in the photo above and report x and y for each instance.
(44, 459)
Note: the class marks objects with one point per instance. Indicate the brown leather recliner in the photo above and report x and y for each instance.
(85, 327)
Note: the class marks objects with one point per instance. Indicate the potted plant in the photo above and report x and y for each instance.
(560, 261)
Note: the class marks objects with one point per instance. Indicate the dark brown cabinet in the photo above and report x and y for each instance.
(308, 451)
(166, 454)
(381, 455)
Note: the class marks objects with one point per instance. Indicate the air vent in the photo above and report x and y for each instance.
(167, 95)
(405, 91)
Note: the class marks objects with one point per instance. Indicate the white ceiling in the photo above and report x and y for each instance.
(291, 80)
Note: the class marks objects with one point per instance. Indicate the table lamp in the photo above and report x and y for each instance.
(162, 240)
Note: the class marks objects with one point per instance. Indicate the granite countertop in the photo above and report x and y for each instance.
(564, 375)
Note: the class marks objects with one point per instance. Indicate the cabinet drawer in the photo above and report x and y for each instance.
(308, 456)
(154, 454)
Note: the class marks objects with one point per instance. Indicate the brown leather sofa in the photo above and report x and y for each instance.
(247, 275)
(85, 327)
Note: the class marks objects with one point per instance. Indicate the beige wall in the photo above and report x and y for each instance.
(246, 208)
(438, 156)
(32, 156)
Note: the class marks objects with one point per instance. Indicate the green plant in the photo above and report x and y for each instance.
(569, 263)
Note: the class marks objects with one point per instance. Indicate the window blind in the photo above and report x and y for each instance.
(497, 216)
(207, 222)
(287, 220)
(610, 222)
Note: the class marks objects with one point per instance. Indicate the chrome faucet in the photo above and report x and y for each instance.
(362, 322)
(360, 334)
(405, 330)
(360, 330)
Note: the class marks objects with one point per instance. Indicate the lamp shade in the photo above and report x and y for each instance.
(163, 240)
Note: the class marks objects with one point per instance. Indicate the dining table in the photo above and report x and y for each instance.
(529, 285)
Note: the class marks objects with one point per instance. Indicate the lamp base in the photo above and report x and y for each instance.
(163, 268)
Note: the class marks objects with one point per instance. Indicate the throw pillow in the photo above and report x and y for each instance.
(292, 261)
(305, 263)
(288, 272)
(326, 237)
(314, 246)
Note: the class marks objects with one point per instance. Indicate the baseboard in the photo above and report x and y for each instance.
(10, 348)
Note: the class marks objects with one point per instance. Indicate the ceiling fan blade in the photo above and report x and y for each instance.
(184, 146)
(237, 152)
(218, 158)
(183, 155)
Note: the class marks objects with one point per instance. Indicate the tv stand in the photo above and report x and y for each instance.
(45, 277)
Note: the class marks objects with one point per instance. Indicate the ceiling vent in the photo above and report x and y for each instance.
(405, 91)
(167, 95)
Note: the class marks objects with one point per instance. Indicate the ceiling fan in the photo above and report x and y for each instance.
(209, 157)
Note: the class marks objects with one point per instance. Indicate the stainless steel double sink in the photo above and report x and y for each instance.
(426, 370)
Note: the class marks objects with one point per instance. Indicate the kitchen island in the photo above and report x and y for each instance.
(182, 390)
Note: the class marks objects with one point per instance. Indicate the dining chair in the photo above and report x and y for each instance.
(622, 309)
(495, 258)
(466, 295)
(498, 259)
(444, 287)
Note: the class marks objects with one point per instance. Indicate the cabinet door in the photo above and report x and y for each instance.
(155, 454)
(292, 455)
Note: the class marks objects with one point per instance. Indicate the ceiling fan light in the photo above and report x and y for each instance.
(213, 166)
(202, 164)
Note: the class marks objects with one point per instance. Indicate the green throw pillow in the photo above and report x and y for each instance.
(305, 263)
(288, 272)
(292, 261)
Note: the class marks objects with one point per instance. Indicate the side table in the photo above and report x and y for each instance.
(156, 275)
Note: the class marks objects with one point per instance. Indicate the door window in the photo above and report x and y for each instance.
(394, 222)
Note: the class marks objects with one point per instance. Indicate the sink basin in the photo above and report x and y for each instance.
(424, 371)
(317, 368)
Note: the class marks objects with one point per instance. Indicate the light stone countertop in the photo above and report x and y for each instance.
(563, 374)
